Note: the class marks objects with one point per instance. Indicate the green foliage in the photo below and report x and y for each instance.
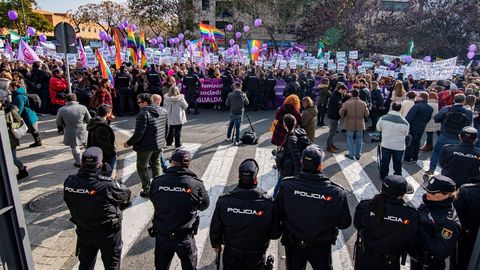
(35, 20)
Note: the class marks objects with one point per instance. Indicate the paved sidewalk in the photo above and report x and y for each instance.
(51, 234)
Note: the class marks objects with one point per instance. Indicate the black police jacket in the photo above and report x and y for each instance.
(244, 219)
(270, 83)
(176, 197)
(123, 81)
(154, 82)
(391, 234)
(468, 207)
(311, 209)
(251, 82)
(460, 162)
(94, 200)
(438, 232)
(227, 80)
(192, 83)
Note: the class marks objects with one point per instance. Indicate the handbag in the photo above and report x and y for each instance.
(21, 130)
(61, 95)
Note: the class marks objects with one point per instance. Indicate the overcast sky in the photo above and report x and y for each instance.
(64, 5)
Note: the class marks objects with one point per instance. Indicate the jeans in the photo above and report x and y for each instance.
(396, 157)
(235, 119)
(357, 138)
(332, 131)
(174, 131)
(163, 162)
(18, 163)
(112, 163)
(411, 153)
(441, 141)
(77, 155)
(143, 159)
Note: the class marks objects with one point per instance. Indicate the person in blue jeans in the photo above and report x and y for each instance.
(453, 118)
(236, 101)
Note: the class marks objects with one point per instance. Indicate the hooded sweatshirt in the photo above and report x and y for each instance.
(149, 130)
(101, 135)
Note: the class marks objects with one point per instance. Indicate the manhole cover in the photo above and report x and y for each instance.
(46, 202)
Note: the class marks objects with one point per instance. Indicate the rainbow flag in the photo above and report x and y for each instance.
(104, 68)
(118, 48)
(132, 46)
(251, 43)
(141, 47)
(214, 45)
(205, 29)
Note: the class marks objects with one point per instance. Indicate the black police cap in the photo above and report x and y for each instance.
(469, 133)
(248, 168)
(396, 185)
(440, 183)
(92, 156)
(182, 156)
(313, 155)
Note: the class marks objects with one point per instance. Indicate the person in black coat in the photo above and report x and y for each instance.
(334, 105)
(378, 105)
(251, 84)
(244, 221)
(41, 82)
(293, 87)
(101, 135)
(384, 220)
(227, 81)
(154, 83)
(290, 165)
(418, 118)
(192, 84)
(270, 96)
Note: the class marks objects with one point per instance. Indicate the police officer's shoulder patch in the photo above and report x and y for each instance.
(446, 233)
(226, 194)
(104, 178)
(337, 185)
(286, 178)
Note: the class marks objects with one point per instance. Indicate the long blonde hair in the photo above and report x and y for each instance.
(173, 91)
(399, 91)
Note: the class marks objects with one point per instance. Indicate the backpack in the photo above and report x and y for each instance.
(302, 140)
(454, 121)
(34, 101)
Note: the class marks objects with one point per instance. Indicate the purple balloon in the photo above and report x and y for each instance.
(254, 49)
(229, 51)
(187, 43)
(176, 40)
(153, 42)
(121, 26)
(257, 22)
(12, 15)
(181, 36)
(264, 45)
(159, 39)
(42, 37)
(427, 59)
(125, 41)
(408, 59)
(238, 35)
(31, 31)
(472, 48)
(470, 55)
(134, 28)
(161, 46)
(109, 38)
(102, 35)
(236, 47)
(125, 23)
(229, 28)
(171, 41)
(231, 42)
(246, 28)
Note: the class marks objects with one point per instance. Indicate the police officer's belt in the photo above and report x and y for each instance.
(304, 244)
(179, 235)
(387, 259)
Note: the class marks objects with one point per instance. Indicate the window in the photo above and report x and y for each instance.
(205, 5)
(221, 25)
(206, 22)
(95, 30)
(89, 29)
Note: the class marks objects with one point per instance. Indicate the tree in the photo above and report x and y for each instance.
(106, 14)
(35, 20)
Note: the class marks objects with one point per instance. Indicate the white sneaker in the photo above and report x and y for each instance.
(237, 143)
(228, 139)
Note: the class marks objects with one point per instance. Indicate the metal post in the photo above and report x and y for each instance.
(24, 17)
(67, 66)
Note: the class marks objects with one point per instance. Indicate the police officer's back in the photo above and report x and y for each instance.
(459, 161)
(154, 83)
(385, 226)
(123, 80)
(244, 221)
(94, 202)
(270, 83)
(439, 226)
(251, 83)
(176, 197)
(312, 209)
(468, 209)
(192, 84)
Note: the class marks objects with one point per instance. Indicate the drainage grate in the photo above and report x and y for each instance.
(46, 202)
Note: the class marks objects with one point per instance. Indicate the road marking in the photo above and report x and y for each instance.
(47, 121)
(425, 165)
(357, 178)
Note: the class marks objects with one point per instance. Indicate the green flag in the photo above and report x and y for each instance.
(14, 37)
(411, 46)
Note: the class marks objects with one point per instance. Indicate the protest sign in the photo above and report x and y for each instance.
(341, 55)
(353, 55)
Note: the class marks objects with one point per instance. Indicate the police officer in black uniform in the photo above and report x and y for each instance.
(251, 83)
(457, 160)
(468, 207)
(386, 227)
(176, 197)
(310, 85)
(270, 96)
(311, 209)
(439, 226)
(153, 78)
(123, 83)
(227, 80)
(192, 84)
(244, 221)
(95, 202)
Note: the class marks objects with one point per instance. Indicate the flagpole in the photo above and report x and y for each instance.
(24, 18)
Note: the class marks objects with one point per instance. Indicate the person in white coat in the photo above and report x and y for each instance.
(175, 104)
(431, 126)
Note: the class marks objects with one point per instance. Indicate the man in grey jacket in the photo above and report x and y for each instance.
(236, 100)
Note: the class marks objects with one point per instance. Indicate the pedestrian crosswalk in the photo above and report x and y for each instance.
(218, 176)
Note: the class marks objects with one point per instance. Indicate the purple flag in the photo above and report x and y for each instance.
(26, 53)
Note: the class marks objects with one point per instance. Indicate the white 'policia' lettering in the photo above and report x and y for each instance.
(78, 191)
(312, 195)
(174, 189)
(244, 211)
(393, 218)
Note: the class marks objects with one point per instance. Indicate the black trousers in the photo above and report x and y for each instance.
(174, 131)
(365, 261)
(236, 259)
(125, 99)
(411, 153)
(192, 102)
(185, 248)
(108, 242)
(320, 257)
(322, 110)
(433, 265)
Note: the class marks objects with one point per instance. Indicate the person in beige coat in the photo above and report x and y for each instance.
(309, 117)
(431, 126)
(353, 113)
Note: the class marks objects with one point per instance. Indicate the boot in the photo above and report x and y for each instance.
(426, 148)
(22, 173)
(38, 141)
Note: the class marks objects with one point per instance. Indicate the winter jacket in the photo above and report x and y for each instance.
(394, 128)
(353, 112)
(57, 85)
(446, 98)
(442, 115)
(291, 163)
(41, 80)
(406, 107)
(176, 106)
(14, 120)
(237, 100)
(323, 93)
(74, 118)
(419, 116)
(458, 160)
(377, 100)
(20, 99)
(278, 137)
(431, 125)
(4, 92)
(334, 105)
(101, 135)
(148, 135)
(309, 121)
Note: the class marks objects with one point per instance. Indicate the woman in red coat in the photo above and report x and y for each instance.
(58, 85)
(291, 105)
